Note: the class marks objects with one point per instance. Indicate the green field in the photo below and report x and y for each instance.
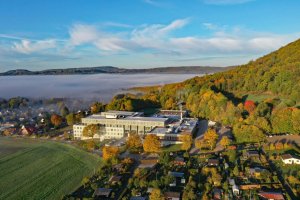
(41, 170)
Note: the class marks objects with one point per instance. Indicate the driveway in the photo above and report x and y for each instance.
(202, 128)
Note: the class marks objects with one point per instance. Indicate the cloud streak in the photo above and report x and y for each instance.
(27, 46)
(226, 2)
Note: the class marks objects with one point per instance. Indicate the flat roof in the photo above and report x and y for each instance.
(156, 119)
(119, 112)
(187, 125)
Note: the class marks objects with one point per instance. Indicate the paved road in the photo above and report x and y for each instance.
(222, 132)
(202, 127)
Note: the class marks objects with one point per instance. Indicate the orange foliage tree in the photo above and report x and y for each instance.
(109, 152)
(56, 120)
(249, 106)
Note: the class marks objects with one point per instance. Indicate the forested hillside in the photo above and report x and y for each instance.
(224, 96)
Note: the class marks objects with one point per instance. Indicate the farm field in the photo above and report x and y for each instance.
(41, 169)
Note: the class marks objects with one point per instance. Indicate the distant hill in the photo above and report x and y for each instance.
(110, 69)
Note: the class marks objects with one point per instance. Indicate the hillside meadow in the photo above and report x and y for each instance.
(41, 169)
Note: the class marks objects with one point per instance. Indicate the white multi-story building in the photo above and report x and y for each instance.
(117, 124)
(167, 125)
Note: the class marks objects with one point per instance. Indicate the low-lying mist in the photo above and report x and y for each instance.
(101, 87)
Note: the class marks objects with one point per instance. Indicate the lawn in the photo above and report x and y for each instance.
(41, 169)
(172, 148)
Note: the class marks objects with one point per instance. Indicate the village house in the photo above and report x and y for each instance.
(217, 193)
(271, 195)
(179, 178)
(148, 162)
(138, 198)
(172, 195)
(252, 154)
(179, 161)
(28, 130)
(235, 188)
(213, 162)
(115, 179)
(290, 159)
(102, 193)
(256, 171)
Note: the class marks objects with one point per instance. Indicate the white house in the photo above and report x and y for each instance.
(290, 159)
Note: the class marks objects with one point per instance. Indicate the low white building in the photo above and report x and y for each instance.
(290, 159)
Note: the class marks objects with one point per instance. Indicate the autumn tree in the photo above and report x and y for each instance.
(97, 107)
(151, 143)
(245, 133)
(250, 106)
(156, 194)
(225, 141)
(90, 145)
(109, 152)
(134, 142)
(186, 140)
(56, 120)
(201, 144)
(90, 130)
(211, 137)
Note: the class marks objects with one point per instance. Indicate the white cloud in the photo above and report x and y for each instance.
(27, 46)
(81, 34)
(226, 2)
(156, 3)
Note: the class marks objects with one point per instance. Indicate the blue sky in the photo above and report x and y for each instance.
(37, 34)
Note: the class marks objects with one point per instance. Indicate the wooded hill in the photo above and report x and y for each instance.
(224, 96)
(114, 70)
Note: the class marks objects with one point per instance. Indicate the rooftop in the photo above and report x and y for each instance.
(271, 195)
(135, 118)
(103, 192)
(187, 125)
(289, 156)
(172, 195)
(176, 174)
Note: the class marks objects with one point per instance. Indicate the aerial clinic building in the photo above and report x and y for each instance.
(117, 124)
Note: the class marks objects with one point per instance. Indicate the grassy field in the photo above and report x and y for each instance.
(41, 169)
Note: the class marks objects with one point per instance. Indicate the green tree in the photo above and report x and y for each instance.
(70, 118)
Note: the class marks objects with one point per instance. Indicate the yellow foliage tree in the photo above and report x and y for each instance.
(151, 143)
(109, 152)
(211, 137)
(156, 195)
(225, 141)
(187, 141)
(134, 142)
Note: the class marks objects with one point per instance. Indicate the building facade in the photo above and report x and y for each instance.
(118, 124)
